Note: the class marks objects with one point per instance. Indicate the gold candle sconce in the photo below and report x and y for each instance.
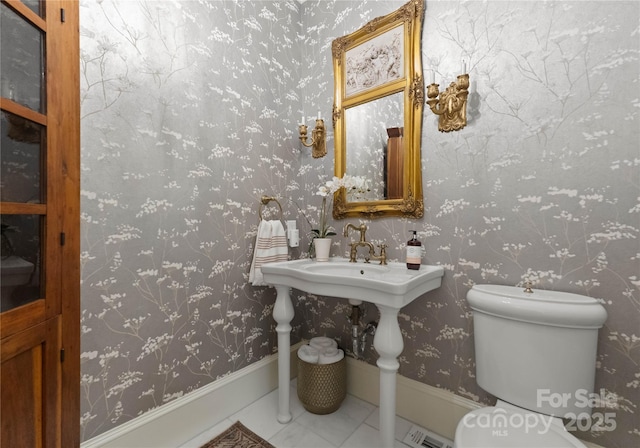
(451, 104)
(318, 142)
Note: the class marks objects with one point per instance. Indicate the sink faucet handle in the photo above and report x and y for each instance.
(383, 253)
(353, 252)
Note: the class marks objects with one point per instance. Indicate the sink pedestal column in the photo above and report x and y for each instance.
(389, 344)
(283, 314)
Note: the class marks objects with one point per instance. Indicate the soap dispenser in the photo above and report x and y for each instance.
(414, 252)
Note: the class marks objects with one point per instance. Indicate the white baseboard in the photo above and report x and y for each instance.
(178, 421)
(435, 409)
(430, 407)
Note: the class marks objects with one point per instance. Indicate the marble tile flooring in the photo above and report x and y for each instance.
(354, 425)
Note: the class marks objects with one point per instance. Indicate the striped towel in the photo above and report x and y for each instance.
(271, 245)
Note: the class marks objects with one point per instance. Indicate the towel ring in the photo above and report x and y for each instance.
(264, 200)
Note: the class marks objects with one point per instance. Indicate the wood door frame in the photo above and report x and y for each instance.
(63, 74)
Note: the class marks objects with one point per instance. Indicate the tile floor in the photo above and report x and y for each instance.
(354, 425)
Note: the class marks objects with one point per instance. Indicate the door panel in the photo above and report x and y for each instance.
(29, 366)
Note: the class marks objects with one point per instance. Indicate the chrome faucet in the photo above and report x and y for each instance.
(353, 253)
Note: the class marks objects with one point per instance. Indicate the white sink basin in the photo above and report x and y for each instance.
(346, 269)
(392, 285)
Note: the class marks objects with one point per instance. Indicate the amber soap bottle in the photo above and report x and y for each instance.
(414, 252)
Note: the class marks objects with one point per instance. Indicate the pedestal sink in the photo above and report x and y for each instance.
(389, 287)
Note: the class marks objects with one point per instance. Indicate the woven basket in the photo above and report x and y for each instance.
(322, 387)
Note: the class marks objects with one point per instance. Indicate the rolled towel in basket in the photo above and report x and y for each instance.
(330, 356)
(322, 343)
(329, 351)
(308, 354)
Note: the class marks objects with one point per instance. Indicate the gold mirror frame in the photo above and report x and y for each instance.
(409, 17)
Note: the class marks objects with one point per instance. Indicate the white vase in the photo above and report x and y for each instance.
(322, 247)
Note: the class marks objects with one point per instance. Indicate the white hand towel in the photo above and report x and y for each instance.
(330, 351)
(322, 342)
(271, 245)
(325, 358)
(308, 354)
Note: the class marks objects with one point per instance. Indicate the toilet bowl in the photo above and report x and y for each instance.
(530, 345)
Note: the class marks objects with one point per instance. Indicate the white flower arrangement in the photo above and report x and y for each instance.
(352, 184)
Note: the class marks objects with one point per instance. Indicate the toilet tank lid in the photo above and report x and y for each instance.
(544, 307)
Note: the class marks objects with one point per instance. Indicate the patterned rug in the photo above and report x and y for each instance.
(238, 436)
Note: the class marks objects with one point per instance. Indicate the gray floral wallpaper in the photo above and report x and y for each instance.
(186, 122)
(190, 113)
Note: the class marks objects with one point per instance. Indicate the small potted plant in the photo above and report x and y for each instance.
(320, 236)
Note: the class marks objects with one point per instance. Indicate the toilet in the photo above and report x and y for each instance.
(536, 352)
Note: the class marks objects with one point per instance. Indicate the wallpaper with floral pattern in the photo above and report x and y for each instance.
(189, 115)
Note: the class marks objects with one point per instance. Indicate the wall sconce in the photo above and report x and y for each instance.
(318, 143)
(451, 107)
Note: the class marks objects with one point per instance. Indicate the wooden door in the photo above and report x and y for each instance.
(39, 208)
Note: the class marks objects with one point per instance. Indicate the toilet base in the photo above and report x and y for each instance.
(506, 425)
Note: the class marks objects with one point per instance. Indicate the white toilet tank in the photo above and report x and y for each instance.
(536, 350)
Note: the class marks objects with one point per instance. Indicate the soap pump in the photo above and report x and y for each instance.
(414, 252)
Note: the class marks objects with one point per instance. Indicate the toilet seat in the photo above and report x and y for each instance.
(506, 426)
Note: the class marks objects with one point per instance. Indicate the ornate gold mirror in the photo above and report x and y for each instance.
(377, 115)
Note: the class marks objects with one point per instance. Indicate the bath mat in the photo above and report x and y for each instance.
(238, 436)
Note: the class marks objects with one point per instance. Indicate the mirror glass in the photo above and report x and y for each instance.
(374, 138)
(377, 117)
